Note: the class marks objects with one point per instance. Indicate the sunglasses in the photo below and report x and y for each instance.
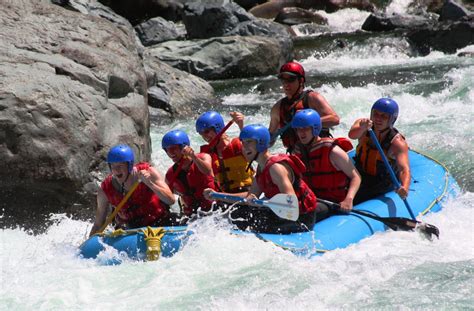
(288, 79)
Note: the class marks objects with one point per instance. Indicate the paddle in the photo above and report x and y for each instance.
(280, 131)
(390, 170)
(283, 205)
(212, 144)
(111, 217)
(394, 223)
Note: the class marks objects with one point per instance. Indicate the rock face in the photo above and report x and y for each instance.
(137, 11)
(223, 57)
(72, 86)
(234, 43)
(382, 22)
(445, 37)
(156, 30)
(175, 93)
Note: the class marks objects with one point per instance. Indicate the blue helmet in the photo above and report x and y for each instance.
(307, 118)
(256, 132)
(210, 119)
(387, 105)
(175, 137)
(121, 153)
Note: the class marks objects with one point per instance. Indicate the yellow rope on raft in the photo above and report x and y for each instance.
(153, 238)
(446, 182)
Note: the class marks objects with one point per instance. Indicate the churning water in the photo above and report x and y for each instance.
(219, 271)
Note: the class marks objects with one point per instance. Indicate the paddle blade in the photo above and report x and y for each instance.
(427, 230)
(284, 206)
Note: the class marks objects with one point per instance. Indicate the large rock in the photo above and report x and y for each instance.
(223, 57)
(383, 22)
(446, 37)
(213, 20)
(156, 30)
(72, 86)
(296, 16)
(137, 11)
(452, 11)
(174, 93)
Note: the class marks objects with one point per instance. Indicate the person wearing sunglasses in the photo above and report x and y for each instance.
(230, 167)
(292, 77)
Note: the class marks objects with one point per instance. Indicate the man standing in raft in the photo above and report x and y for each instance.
(190, 174)
(275, 174)
(292, 77)
(375, 177)
(228, 163)
(149, 203)
(330, 172)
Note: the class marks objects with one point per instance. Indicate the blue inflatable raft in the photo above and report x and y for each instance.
(431, 185)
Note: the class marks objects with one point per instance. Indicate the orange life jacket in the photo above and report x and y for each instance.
(189, 185)
(368, 160)
(306, 197)
(322, 177)
(230, 170)
(143, 208)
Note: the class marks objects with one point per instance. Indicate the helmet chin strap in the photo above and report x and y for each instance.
(122, 186)
(299, 90)
(250, 163)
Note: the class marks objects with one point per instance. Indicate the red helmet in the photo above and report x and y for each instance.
(292, 69)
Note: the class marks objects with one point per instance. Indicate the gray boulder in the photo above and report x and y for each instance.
(157, 30)
(173, 93)
(383, 22)
(72, 86)
(447, 37)
(223, 57)
(452, 11)
(213, 20)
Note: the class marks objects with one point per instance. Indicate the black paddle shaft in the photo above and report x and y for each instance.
(394, 223)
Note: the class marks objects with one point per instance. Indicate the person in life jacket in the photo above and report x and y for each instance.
(275, 174)
(292, 77)
(190, 174)
(330, 172)
(228, 163)
(149, 203)
(375, 177)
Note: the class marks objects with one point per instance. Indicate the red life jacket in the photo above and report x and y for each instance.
(189, 185)
(306, 197)
(143, 208)
(323, 178)
(288, 108)
(231, 170)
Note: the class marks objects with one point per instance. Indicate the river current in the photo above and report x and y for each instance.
(219, 271)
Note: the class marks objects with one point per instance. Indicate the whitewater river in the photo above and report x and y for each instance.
(219, 271)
